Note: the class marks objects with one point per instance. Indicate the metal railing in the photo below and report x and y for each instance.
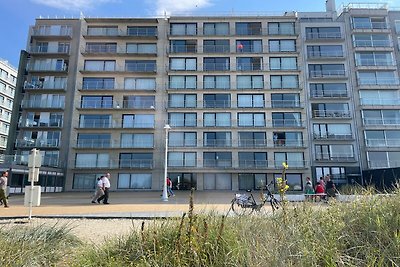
(328, 93)
(330, 157)
(287, 123)
(183, 48)
(42, 104)
(116, 124)
(249, 67)
(374, 62)
(32, 123)
(321, 54)
(378, 81)
(138, 104)
(45, 85)
(370, 25)
(216, 67)
(47, 67)
(102, 85)
(331, 114)
(323, 35)
(51, 32)
(381, 121)
(49, 49)
(9, 160)
(286, 104)
(216, 49)
(378, 164)
(372, 43)
(382, 142)
(117, 164)
(379, 101)
(37, 143)
(333, 136)
(327, 73)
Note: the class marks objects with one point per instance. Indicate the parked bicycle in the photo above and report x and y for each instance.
(243, 204)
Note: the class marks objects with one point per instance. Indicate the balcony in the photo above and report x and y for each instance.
(336, 158)
(378, 81)
(117, 164)
(249, 67)
(139, 68)
(135, 104)
(370, 26)
(379, 102)
(115, 32)
(333, 136)
(217, 143)
(387, 143)
(287, 143)
(32, 124)
(57, 32)
(381, 121)
(42, 104)
(372, 43)
(374, 62)
(253, 164)
(97, 104)
(212, 49)
(252, 143)
(286, 104)
(114, 124)
(287, 123)
(374, 164)
(48, 49)
(175, 49)
(48, 67)
(327, 74)
(340, 114)
(220, 163)
(216, 67)
(4, 130)
(326, 55)
(105, 49)
(324, 36)
(46, 85)
(44, 143)
(329, 93)
(249, 49)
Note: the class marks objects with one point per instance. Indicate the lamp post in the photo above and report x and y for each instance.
(165, 192)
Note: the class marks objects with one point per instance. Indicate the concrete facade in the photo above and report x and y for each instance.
(242, 94)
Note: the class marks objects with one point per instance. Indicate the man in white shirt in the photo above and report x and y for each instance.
(106, 187)
(3, 188)
(99, 189)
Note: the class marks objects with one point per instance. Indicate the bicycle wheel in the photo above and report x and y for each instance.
(275, 204)
(241, 210)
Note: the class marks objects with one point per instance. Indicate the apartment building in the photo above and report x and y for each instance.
(234, 97)
(8, 80)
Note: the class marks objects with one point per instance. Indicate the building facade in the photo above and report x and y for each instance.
(8, 80)
(241, 94)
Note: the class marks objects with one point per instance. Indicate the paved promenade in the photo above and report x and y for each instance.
(123, 205)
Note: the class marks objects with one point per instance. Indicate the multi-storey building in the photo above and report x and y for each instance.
(8, 80)
(241, 94)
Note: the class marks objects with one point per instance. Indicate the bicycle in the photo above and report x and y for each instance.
(243, 204)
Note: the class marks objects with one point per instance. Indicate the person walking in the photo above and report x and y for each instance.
(106, 188)
(169, 188)
(99, 189)
(309, 189)
(330, 187)
(3, 188)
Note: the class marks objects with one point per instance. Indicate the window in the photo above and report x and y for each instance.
(217, 119)
(249, 181)
(97, 102)
(379, 97)
(292, 159)
(182, 100)
(102, 30)
(253, 160)
(282, 46)
(288, 139)
(188, 64)
(252, 139)
(335, 131)
(217, 139)
(139, 102)
(215, 64)
(383, 159)
(141, 30)
(85, 180)
(337, 174)
(251, 119)
(101, 48)
(217, 159)
(369, 23)
(216, 82)
(98, 83)
(329, 110)
(283, 63)
(326, 70)
(281, 28)
(216, 46)
(334, 152)
(374, 59)
(286, 119)
(381, 117)
(92, 160)
(182, 159)
(382, 138)
(182, 119)
(249, 46)
(250, 100)
(371, 40)
(377, 78)
(136, 160)
(324, 51)
(183, 82)
(140, 84)
(397, 26)
(284, 81)
(250, 82)
(183, 28)
(323, 33)
(285, 100)
(183, 46)
(138, 121)
(328, 89)
(94, 140)
(137, 140)
(248, 28)
(100, 65)
(46, 82)
(217, 100)
(140, 65)
(134, 180)
(218, 28)
(293, 180)
(248, 63)
(182, 139)
(141, 48)
(41, 101)
(94, 121)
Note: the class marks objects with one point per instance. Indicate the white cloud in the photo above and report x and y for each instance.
(71, 4)
(179, 6)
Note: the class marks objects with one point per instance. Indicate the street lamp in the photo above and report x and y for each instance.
(165, 192)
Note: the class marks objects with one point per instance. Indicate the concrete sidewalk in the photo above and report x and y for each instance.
(123, 205)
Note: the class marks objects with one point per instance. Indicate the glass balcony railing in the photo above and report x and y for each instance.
(381, 121)
(332, 136)
(48, 49)
(370, 25)
(372, 43)
(334, 157)
(379, 102)
(45, 85)
(374, 62)
(378, 81)
(331, 114)
(323, 35)
(382, 142)
(42, 104)
(37, 143)
(327, 73)
(328, 93)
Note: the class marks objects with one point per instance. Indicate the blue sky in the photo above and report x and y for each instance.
(18, 15)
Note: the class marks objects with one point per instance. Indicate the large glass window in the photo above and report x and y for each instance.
(217, 159)
(250, 101)
(137, 140)
(334, 152)
(285, 100)
(84, 160)
(281, 28)
(248, 63)
(182, 100)
(182, 159)
(138, 121)
(182, 119)
(251, 119)
(379, 97)
(217, 119)
(134, 181)
(371, 40)
(284, 81)
(253, 160)
(138, 48)
(100, 65)
(216, 46)
(326, 70)
(140, 84)
(101, 48)
(140, 65)
(183, 28)
(136, 160)
(217, 139)
(217, 28)
(183, 46)
(98, 83)
(324, 51)
(328, 89)
(94, 140)
(182, 139)
(292, 159)
(323, 33)
(282, 63)
(248, 28)
(182, 82)
(183, 64)
(142, 30)
(335, 131)
(282, 46)
(286, 119)
(216, 100)
(374, 59)
(216, 64)
(377, 78)
(95, 121)
(139, 102)
(248, 46)
(250, 82)
(252, 139)
(97, 102)
(216, 82)
(288, 139)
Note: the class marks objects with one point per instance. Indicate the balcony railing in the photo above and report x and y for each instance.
(102, 85)
(117, 164)
(286, 104)
(115, 49)
(374, 62)
(42, 104)
(37, 143)
(331, 114)
(32, 123)
(249, 67)
(216, 67)
(288, 143)
(183, 49)
(9, 160)
(135, 104)
(381, 121)
(379, 102)
(333, 136)
(217, 143)
(287, 123)
(116, 124)
(323, 35)
(370, 25)
(321, 54)
(328, 93)
(249, 49)
(216, 49)
(379, 164)
(44, 49)
(45, 85)
(97, 104)
(52, 32)
(47, 67)
(372, 43)
(329, 157)
(253, 164)
(382, 142)
(327, 73)
(378, 81)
